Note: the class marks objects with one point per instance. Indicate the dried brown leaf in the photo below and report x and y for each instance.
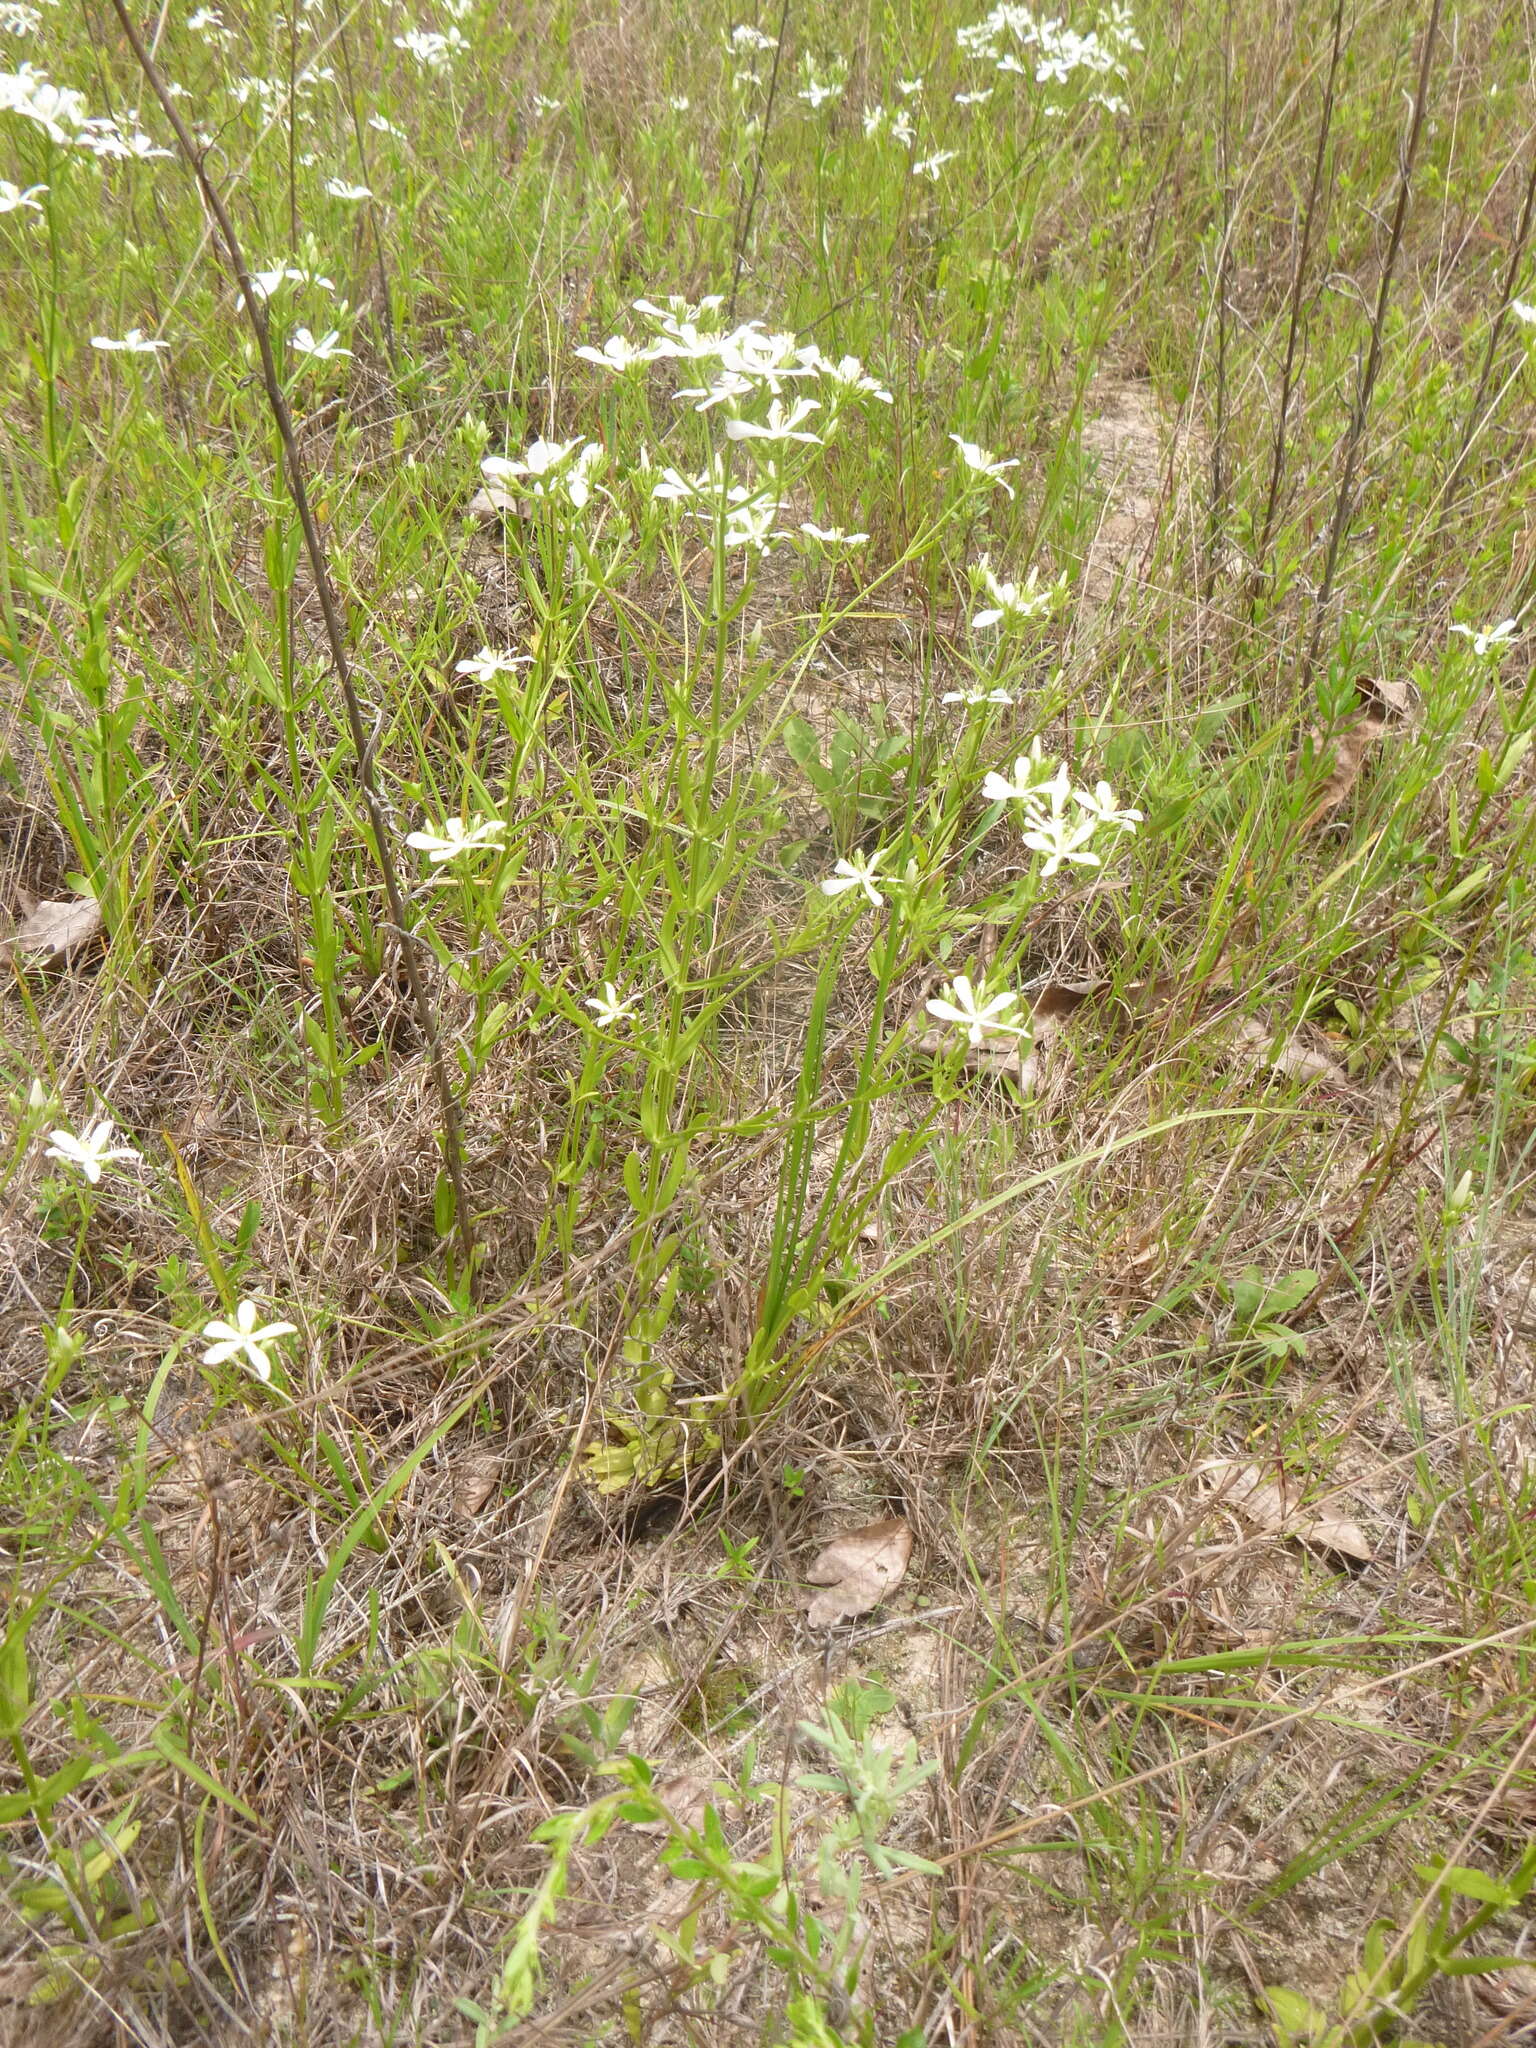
(1266, 1503)
(857, 1570)
(685, 1798)
(490, 505)
(1251, 1038)
(52, 931)
(1379, 698)
(476, 1483)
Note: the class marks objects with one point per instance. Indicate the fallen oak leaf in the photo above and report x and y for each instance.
(1268, 1505)
(1378, 699)
(52, 931)
(857, 1570)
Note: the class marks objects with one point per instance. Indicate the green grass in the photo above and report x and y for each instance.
(438, 1670)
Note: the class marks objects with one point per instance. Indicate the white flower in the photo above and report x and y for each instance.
(909, 88)
(963, 1005)
(1492, 638)
(779, 426)
(833, 536)
(17, 19)
(849, 372)
(1523, 312)
(549, 469)
(609, 1009)
(874, 120)
(984, 462)
(488, 664)
(350, 195)
(246, 1338)
(13, 198)
(1027, 769)
(616, 353)
(323, 347)
(265, 283)
(103, 137)
(971, 697)
(456, 838)
(208, 23)
(1100, 805)
(930, 166)
(90, 1152)
(134, 343)
(1015, 604)
(973, 99)
(679, 103)
(902, 130)
(435, 51)
(751, 526)
(747, 38)
(383, 127)
(541, 105)
(858, 873)
(816, 92)
(57, 109)
(1062, 839)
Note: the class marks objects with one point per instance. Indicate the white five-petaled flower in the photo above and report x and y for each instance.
(1492, 638)
(543, 105)
(779, 425)
(972, 697)
(456, 838)
(617, 353)
(246, 1338)
(350, 195)
(610, 1008)
(265, 282)
(930, 166)
(984, 462)
(1523, 312)
(489, 663)
(1015, 602)
(909, 88)
(1027, 770)
(862, 872)
(13, 198)
(91, 1151)
(1099, 803)
(833, 536)
(134, 343)
(549, 469)
(977, 1016)
(323, 347)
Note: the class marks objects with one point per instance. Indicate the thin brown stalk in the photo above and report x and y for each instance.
(1288, 373)
(314, 548)
(1354, 439)
(744, 230)
(1507, 285)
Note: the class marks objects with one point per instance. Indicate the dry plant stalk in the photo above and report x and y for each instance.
(314, 548)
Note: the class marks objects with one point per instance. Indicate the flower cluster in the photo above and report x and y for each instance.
(62, 114)
(558, 470)
(1050, 827)
(1013, 38)
(433, 49)
(1013, 603)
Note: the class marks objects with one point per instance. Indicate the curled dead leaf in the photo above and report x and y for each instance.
(490, 505)
(1269, 1504)
(685, 1797)
(1251, 1038)
(1379, 699)
(476, 1483)
(858, 1570)
(52, 931)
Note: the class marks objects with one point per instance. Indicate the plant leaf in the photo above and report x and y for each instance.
(858, 1570)
(53, 930)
